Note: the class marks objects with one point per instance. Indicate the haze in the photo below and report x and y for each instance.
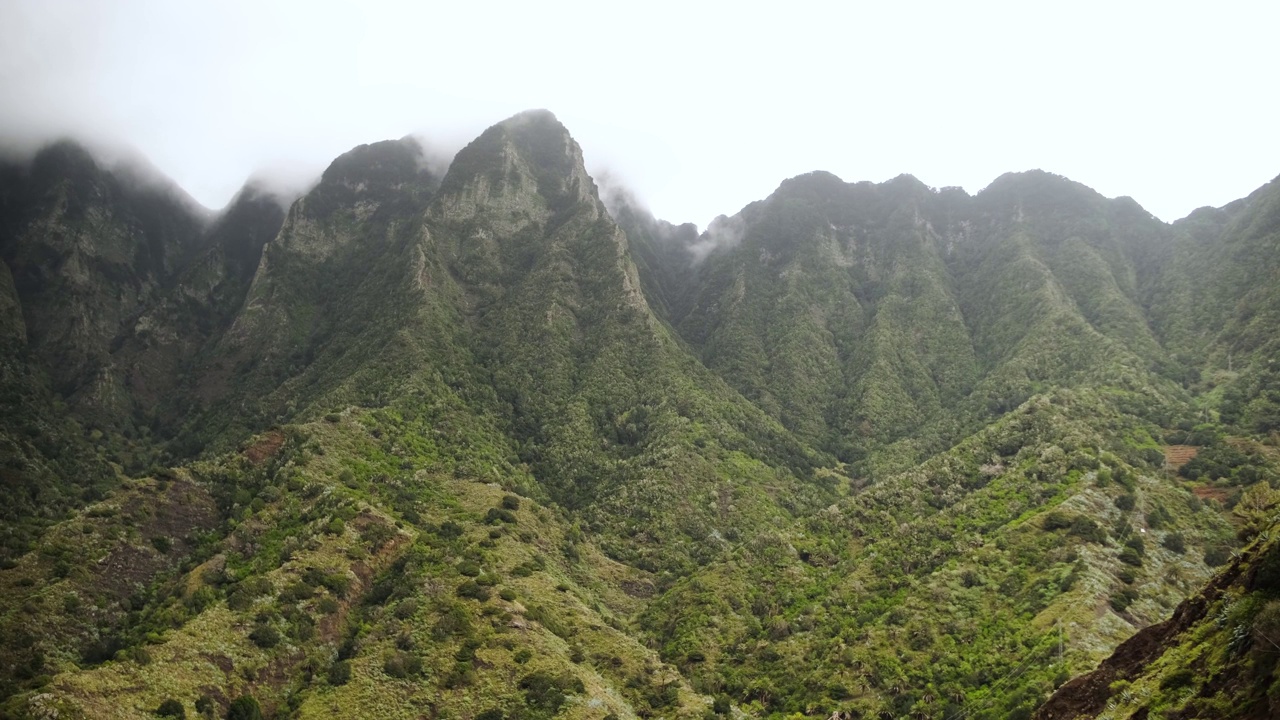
(700, 108)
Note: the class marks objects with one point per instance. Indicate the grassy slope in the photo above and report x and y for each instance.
(386, 590)
(1215, 657)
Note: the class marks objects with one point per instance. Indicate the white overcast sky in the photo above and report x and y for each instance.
(699, 107)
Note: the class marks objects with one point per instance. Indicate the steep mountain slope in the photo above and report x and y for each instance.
(470, 443)
(500, 321)
(507, 297)
(662, 254)
(946, 588)
(1215, 302)
(82, 250)
(159, 351)
(87, 248)
(113, 281)
(337, 581)
(891, 319)
(1215, 657)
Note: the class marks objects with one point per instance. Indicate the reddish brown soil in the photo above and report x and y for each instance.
(265, 448)
(1208, 492)
(1175, 456)
(639, 589)
(178, 510)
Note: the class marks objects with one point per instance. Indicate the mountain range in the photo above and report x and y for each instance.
(479, 441)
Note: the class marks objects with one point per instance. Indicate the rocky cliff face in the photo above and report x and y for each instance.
(882, 322)
(87, 250)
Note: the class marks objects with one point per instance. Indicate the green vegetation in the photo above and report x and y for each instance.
(1215, 659)
(463, 446)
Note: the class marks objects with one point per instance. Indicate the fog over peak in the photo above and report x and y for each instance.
(701, 109)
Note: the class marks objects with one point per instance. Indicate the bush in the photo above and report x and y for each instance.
(303, 628)
(400, 664)
(377, 535)
(265, 636)
(472, 589)
(1129, 556)
(406, 609)
(1174, 542)
(1137, 544)
(1215, 556)
(1177, 679)
(405, 642)
(297, 592)
(200, 599)
(499, 515)
(510, 502)
(1127, 502)
(337, 582)
(244, 707)
(544, 691)
(1056, 520)
(171, 709)
(1087, 530)
(461, 676)
(1123, 599)
(1159, 517)
(340, 673)
(468, 568)
(239, 600)
(258, 586)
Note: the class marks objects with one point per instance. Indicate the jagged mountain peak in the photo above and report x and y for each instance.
(371, 174)
(62, 157)
(79, 177)
(386, 159)
(529, 155)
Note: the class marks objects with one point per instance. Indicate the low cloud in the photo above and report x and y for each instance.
(616, 195)
(438, 149)
(723, 233)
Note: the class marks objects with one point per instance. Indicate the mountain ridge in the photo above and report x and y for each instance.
(856, 446)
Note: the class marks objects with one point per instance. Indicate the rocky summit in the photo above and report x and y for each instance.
(472, 441)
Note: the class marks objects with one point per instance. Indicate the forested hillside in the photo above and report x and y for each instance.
(468, 441)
